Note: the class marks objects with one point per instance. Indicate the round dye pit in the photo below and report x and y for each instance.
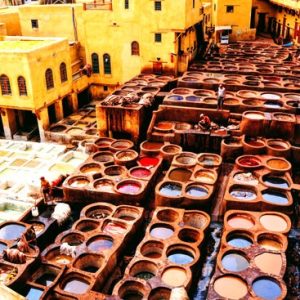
(78, 182)
(193, 98)
(181, 91)
(180, 257)
(270, 96)
(189, 235)
(140, 172)
(103, 157)
(275, 197)
(38, 227)
(113, 228)
(151, 146)
(76, 286)
(278, 164)
(240, 221)
(129, 187)
(11, 231)
(254, 116)
(61, 259)
(273, 223)
(266, 288)
(121, 144)
(196, 191)
(278, 145)
(246, 178)
(152, 249)
(148, 161)
(234, 262)
(126, 155)
(243, 194)
(144, 270)
(175, 97)
(99, 244)
(167, 215)
(90, 168)
(180, 174)
(205, 176)
(104, 185)
(73, 239)
(230, 287)
(98, 212)
(208, 160)
(46, 279)
(127, 213)
(248, 161)
(278, 182)
(161, 232)
(171, 190)
(182, 126)
(164, 126)
(115, 171)
(196, 220)
(75, 131)
(187, 159)
(58, 128)
(239, 240)
(270, 242)
(171, 149)
(174, 276)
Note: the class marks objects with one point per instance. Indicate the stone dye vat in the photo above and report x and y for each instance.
(82, 258)
(14, 264)
(251, 261)
(120, 176)
(128, 110)
(260, 183)
(167, 257)
(236, 102)
(184, 129)
(190, 181)
(25, 162)
(80, 125)
(204, 80)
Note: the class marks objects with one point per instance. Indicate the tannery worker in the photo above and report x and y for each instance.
(45, 189)
(221, 96)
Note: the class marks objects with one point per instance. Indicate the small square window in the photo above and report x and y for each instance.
(229, 8)
(157, 5)
(34, 23)
(157, 37)
(105, 88)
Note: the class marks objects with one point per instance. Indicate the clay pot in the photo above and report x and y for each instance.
(169, 151)
(253, 123)
(253, 145)
(278, 147)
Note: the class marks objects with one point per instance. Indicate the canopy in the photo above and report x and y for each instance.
(225, 27)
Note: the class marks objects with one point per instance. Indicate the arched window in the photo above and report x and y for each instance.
(22, 86)
(49, 79)
(63, 72)
(106, 63)
(95, 63)
(5, 85)
(135, 48)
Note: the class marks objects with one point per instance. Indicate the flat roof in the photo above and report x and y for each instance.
(22, 45)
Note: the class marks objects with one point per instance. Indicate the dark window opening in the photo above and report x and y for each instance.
(135, 48)
(126, 4)
(105, 88)
(49, 79)
(157, 5)
(229, 8)
(107, 65)
(63, 72)
(157, 37)
(95, 63)
(193, 3)
(22, 86)
(34, 23)
(5, 85)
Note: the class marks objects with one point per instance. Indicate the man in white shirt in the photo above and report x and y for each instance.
(221, 96)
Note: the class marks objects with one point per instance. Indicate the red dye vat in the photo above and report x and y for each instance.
(249, 162)
(140, 172)
(129, 188)
(148, 161)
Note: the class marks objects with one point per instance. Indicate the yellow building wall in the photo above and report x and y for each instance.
(3, 29)
(39, 62)
(14, 65)
(239, 19)
(10, 17)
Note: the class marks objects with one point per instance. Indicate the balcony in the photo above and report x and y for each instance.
(98, 5)
(291, 4)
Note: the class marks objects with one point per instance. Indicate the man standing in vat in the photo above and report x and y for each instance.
(221, 95)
